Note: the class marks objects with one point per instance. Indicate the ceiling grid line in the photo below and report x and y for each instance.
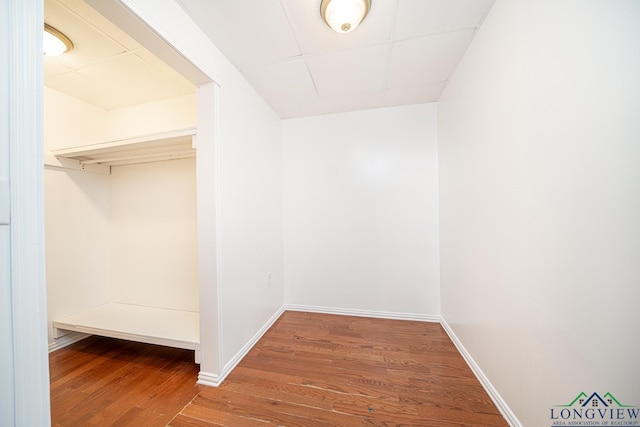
(392, 31)
(403, 53)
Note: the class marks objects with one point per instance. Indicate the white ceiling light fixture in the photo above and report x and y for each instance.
(344, 16)
(55, 42)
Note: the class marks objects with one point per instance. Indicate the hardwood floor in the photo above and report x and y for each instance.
(107, 382)
(326, 370)
(307, 370)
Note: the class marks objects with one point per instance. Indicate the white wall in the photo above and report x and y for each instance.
(69, 122)
(76, 209)
(250, 203)
(249, 199)
(152, 213)
(154, 117)
(153, 235)
(361, 210)
(540, 200)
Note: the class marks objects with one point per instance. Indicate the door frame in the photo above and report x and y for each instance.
(28, 392)
(27, 388)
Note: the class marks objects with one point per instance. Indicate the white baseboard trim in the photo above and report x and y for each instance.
(209, 379)
(66, 340)
(502, 406)
(213, 380)
(205, 378)
(364, 313)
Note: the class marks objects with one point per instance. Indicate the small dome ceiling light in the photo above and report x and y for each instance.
(55, 42)
(344, 16)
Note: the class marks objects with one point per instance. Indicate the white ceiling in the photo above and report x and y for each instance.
(106, 67)
(403, 53)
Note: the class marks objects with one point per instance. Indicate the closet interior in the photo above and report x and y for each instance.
(120, 188)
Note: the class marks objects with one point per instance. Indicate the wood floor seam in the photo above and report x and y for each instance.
(308, 369)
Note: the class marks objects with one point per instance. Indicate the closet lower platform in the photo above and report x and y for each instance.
(151, 325)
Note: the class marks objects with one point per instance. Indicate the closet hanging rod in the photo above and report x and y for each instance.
(171, 155)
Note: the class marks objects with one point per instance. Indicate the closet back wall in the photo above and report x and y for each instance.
(153, 235)
(361, 211)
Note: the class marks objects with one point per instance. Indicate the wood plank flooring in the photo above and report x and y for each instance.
(327, 370)
(307, 370)
(107, 382)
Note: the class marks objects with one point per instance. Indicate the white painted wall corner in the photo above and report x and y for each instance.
(500, 403)
(213, 380)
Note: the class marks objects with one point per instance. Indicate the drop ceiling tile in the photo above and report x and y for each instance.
(333, 104)
(285, 61)
(349, 72)
(95, 92)
(133, 75)
(164, 69)
(89, 45)
(248, 32)
(341, 104)
(285, 85)
(53, 69)
(99, 22)
(427, 93)
(106, 68)
(315, 36)
(422, 17)
(416, 63)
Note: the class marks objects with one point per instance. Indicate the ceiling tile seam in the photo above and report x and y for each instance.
(394, 21)
(313, 81)
(75, 73)
(98, 30)
(292, 27)
(484, 16)
(93, 63)
(392, 33)
(66, 69)
(424, 36)
(387, 71)
(346, 50)
(304, 56)
(273, 62)
(190, 89)
(473, 36)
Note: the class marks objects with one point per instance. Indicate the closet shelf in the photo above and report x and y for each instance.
(176, 144)
(151, 325)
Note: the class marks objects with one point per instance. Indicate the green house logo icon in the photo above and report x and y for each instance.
(595, 401)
